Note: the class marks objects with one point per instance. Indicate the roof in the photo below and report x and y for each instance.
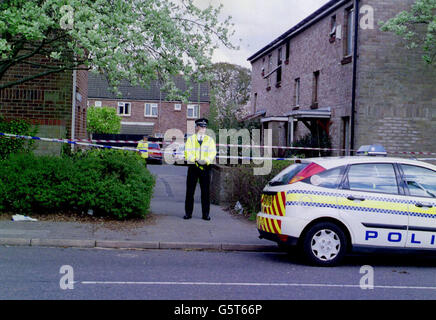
(321, 113)
(253, 116)
(307, 22)
(98, 87)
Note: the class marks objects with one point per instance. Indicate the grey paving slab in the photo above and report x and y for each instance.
(165, 228)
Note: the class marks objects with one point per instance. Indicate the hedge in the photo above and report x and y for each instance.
(111, 183)
(11, 145)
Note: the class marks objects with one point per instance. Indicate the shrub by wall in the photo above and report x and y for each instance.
(317, 140)
(247, 187)
(12, 145)
(111, 183)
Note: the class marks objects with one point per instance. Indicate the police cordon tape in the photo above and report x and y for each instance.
(257, 146)
(76, 142)
(86, 142)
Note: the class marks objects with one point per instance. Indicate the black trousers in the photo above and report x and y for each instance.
(196, 174)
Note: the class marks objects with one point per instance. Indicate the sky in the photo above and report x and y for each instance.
(258, 22)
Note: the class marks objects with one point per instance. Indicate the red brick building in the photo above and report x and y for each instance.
(146, 110)
(352, 80)
(47, 101)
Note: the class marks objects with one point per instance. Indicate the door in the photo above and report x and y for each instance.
(421, 196)
(371, 203)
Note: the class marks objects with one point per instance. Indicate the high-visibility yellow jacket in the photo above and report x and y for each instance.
(194, 151)
(143, 146)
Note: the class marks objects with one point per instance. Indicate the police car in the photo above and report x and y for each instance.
(329, 206)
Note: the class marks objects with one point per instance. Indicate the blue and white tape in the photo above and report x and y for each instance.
(78, 142)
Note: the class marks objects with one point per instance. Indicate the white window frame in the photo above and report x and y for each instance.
(349, 43)
(280, 56)
(152, 106)
(123, 104)
(177, 107)
(192, 107)
(297, 91)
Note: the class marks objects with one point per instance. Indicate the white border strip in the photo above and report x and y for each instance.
(250, 284)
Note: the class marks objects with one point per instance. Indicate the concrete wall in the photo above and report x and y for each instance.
(396, 100)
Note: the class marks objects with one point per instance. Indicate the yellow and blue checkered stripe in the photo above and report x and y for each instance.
(372, 204)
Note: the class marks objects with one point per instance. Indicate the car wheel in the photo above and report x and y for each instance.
(324, 244)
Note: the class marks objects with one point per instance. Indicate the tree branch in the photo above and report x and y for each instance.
(42, 74)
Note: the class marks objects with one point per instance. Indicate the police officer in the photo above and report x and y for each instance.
(200, 151)
(143, 147)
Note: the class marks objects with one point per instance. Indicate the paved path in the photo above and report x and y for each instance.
(165, 228)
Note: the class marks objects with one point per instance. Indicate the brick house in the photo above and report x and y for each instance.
(309, 79)
(47, 102)
(146, 110)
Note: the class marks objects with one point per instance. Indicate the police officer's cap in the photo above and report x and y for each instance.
(202, 122)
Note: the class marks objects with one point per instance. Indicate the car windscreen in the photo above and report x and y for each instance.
(284, 177)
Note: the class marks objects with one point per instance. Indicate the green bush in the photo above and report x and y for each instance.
(103, 120)
(111, 183)
(12, 145)
(247, 187)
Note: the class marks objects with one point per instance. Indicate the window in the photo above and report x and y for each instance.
(420, 181)
(315, 88)
(150, 110)
(287, 174)
(372, 177)
(288, 50)
(279, 76)
(255, 103)
(97, 103)
(297, 92)
(327, 179)
(193, 110)
(349, 16)
(333, 27)
(279, 56)
(123, 108)
(279, 70)
(177, 107)
(263, 67)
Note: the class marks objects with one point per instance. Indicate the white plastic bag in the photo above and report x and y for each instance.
(239, 208)
(19, 217)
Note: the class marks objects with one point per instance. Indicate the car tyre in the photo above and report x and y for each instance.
(324, 244)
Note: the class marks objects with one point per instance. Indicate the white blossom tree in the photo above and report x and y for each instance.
(136, 40)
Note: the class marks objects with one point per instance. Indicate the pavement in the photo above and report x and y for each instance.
(164, 228)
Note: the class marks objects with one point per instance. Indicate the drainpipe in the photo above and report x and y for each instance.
(354, 86)
(73, 109)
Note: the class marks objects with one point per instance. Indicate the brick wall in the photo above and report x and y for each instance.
(396, 102)
(168, 118)
(310, 51)
(44, 101)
